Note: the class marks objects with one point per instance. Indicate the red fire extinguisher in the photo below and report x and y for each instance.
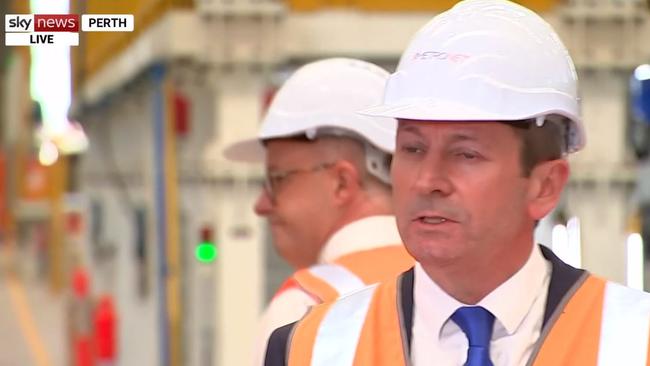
(80, 312)
(105, 331)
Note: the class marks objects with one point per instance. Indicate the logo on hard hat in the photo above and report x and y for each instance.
(441, 56)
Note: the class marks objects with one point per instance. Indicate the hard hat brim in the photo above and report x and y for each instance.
(246, 151)
(440, 111)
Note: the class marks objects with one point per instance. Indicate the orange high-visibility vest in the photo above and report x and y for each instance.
(592, 322)
(326, 282)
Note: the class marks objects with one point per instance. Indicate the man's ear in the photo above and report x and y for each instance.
(547, 181)
(347, 181)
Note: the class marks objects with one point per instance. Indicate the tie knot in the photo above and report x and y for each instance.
(476, 322)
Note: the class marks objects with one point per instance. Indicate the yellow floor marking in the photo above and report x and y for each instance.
(26, 321)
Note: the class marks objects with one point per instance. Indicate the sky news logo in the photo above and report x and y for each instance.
(60, 29)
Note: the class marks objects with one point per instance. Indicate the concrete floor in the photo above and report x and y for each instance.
(31, 321)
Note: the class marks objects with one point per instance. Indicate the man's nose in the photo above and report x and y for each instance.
(433, 177)
(263, 204)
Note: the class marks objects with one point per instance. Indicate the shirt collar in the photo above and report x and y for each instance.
(367, 233)
(428, 295)
(525, 285)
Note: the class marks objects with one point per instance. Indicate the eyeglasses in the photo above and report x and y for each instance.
(274, 179)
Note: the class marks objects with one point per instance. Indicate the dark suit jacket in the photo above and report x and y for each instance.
(563, 279)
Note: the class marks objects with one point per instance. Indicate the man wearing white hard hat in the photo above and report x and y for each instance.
(327, 195)
(487, 107)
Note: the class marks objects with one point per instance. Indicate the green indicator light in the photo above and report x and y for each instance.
(206, 252)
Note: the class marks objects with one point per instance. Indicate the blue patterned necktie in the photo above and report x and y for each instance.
(476, 322)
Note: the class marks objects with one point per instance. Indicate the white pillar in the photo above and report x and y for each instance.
(241, 260)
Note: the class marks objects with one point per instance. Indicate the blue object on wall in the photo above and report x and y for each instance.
(640, 93)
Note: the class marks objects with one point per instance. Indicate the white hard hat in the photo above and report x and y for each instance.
(485, 60)
(323, 98)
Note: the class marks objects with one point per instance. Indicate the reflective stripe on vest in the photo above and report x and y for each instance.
(351, 309)
(326, 282)
(623, 334)
(339, 277)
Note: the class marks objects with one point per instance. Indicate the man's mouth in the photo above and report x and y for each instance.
(432, 220)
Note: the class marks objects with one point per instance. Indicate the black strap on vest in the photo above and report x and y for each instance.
(406, 304)
(563, 277)
(278, 346)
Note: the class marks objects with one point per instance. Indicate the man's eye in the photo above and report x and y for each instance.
(276, 178)
(410, 149)
(468, 155)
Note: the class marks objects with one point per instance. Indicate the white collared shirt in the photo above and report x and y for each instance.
(518, 306)
(289, 306)
(368, 233)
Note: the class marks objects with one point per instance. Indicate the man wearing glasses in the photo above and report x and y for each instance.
(327, 195)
